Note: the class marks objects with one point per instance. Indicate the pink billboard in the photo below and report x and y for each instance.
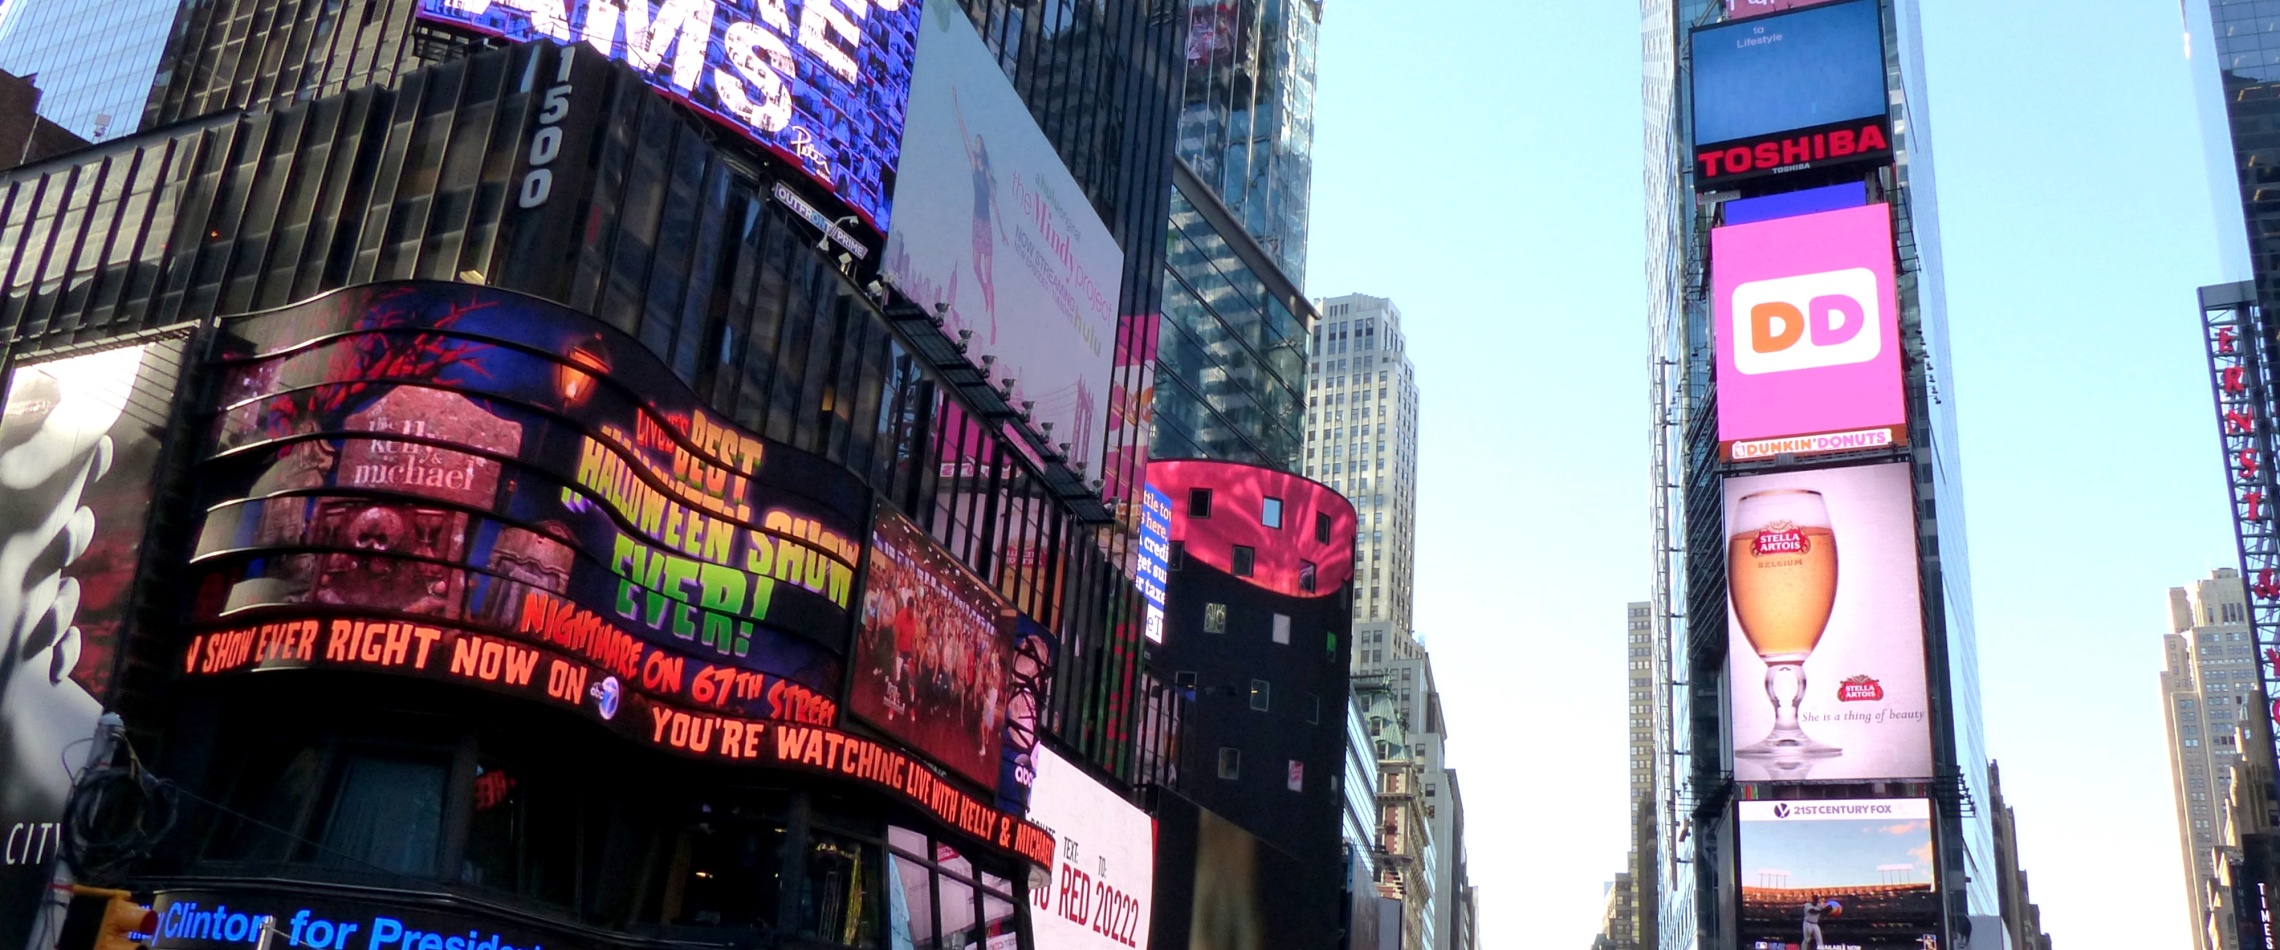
(1744, 9)
(1808, 333)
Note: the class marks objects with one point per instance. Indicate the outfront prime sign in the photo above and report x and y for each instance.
(822, 83)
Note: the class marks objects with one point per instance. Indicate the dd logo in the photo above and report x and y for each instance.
(1805, 322)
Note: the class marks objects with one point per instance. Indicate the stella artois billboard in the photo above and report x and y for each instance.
(1825, 626)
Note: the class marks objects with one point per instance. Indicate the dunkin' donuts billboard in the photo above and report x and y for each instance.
(1825, 627)
(1807, 323)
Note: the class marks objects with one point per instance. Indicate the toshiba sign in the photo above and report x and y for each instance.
(1790, 91)
(1859, 141)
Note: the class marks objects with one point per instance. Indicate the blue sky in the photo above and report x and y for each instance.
(1835, 853)
(1479, 162)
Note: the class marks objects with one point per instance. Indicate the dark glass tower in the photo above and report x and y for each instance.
(324, 156)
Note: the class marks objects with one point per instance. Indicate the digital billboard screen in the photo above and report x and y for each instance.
(1825, 626)
(79, 445)
(1155, 557)
(823, 84)
(1856, 874)
(934, 652)
(1800, 90)
(459, 458)
(1100, 897)
(1807, 326)
(990, 224)
(1744, 9)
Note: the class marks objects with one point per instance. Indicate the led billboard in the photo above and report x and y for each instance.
(821, 83)
(1856, 874)
(1807, 326)
(522, 482)
(935, 652)
(1790, 204)
(990, 225)
(79, 446)
(1100, 895)
(1744, 9)
(1155, 557)
(1825, 626)
(1801, 90)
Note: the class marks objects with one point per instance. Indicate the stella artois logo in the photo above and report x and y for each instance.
(1780, 537)
(1860, 689)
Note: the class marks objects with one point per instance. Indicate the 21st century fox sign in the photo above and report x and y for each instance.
(1807, 332)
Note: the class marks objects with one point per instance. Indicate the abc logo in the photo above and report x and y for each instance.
(1805, 322)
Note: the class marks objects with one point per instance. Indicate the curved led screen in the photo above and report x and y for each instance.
(496, 468)
(1279, 532)
(821, 83)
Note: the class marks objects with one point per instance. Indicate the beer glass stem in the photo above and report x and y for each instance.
(1785, 712)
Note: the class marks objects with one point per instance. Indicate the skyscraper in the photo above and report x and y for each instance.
(1247, 120)
(543, 275)
(2208, 693)
(1361, 438)
(1750, 186)
(93, 62)
(1231, 355)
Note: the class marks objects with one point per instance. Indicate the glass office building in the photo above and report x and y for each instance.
(340, 151)
(1699, 895)
(1247, 121)
(1231, 357)
(93, 62)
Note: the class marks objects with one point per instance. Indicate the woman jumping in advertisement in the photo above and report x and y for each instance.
(985, 217)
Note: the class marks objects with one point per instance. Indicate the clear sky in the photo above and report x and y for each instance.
(1478, 161)
(1836, 853)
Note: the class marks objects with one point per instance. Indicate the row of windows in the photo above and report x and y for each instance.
(396, 799)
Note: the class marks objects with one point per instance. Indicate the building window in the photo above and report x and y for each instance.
(1184, 680)
(1199, 502)
(1321, 528)
(1178, 555)
(1282, 629)
(1230, 763)
(1308, 577)
(1259, 698)
(1215, 618)
(1246, 557)
(1313, 710)
(1270, 513)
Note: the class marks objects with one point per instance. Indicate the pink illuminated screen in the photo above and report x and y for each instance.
(1315, 536)
(1808, 335)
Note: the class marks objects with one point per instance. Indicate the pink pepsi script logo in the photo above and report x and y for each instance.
(1805, 315)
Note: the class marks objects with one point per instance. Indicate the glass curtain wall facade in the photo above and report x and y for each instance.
(94, 61)
(1698, 901)
(1247, 123)
(688, 253)
(1231, 356)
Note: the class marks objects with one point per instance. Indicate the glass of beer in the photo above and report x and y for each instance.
(1781, 571)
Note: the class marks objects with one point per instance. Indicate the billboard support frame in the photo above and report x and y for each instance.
(2241, 387)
